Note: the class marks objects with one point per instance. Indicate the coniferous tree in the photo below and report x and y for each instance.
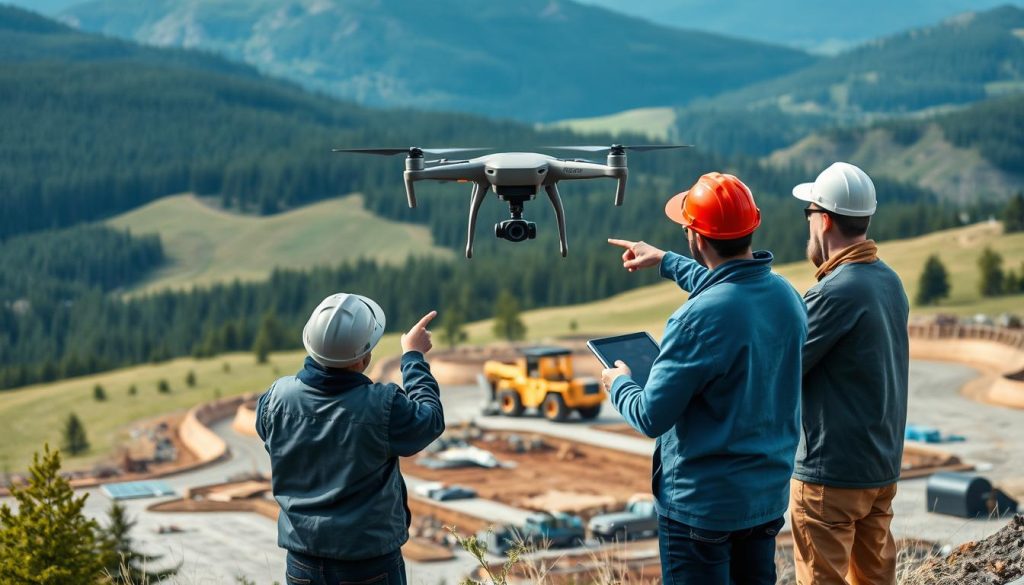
(98, 393)
(934, 282)
(132, 390)
(74, 441)
(507, 322)
(1013, 214)
(990, 264)
(267, 337)
(123, 564)
(163, 387)
(190, 379)
(48, 540)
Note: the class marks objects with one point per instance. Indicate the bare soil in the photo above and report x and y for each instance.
(560, 465)
(997, 560)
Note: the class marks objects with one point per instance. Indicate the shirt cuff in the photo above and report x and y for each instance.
(621, 381)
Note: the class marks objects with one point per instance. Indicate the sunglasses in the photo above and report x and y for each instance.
(808, 212)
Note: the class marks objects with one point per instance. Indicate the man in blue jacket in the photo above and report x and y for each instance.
(334, 439)
(723, 395)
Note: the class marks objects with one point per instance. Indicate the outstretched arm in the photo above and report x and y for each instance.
(687, 273)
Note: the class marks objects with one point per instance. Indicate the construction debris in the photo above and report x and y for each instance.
(996, 560)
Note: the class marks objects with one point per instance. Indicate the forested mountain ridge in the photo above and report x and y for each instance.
(819, 26)
(95, 126)
(533, 60)
(963, 59)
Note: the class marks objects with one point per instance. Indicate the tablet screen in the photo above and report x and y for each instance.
(638, 350)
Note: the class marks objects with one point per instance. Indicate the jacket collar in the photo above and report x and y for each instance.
(735, 271)
(329, 380)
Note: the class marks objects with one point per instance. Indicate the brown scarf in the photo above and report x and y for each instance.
(861, 253)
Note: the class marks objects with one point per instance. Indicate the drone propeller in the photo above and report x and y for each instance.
(621, 148)
(414, 151)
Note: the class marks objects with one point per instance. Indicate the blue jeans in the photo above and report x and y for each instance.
(306, 570)
(694, 556)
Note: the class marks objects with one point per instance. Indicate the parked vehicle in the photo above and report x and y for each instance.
(452, 492)
(543, 378)
(559, 530)
(638, 520)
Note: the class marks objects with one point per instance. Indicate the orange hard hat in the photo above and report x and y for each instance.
(718, 206)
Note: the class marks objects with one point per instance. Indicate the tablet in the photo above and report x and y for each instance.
(637, 350)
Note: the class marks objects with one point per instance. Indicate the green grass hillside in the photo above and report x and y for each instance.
(35, 414)
(654, 123)
(205, 245)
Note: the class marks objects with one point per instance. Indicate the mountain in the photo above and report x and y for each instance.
(531, 60)
(971, 155)
(808, 24)
(960, 60)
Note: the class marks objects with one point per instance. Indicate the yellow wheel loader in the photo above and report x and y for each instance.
(542, 378)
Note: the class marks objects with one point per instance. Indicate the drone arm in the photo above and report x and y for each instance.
(556, 202)
(479, 193)
(461, 171)
(567, 170)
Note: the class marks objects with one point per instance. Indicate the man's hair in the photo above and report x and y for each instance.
(849, 226)
(730, 248)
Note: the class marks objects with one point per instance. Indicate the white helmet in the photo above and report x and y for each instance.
(843, 189)
(343, 329)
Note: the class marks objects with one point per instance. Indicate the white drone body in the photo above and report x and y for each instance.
(515, 178)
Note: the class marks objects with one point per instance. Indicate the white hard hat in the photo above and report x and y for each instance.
(843, 189)
(343, 329)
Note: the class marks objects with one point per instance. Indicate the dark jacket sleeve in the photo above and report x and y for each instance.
(828, 320)
(416, 414)
(686, 272)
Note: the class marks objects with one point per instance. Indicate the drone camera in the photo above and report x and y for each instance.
(515, 230)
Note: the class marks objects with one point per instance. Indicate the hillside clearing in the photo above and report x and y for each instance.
(654, 123)
(205, 245)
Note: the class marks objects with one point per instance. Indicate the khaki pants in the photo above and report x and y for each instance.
(842, 535)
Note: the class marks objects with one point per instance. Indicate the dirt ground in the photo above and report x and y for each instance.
(997, 560)
(558, 465)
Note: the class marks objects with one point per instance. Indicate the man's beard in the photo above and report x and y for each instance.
(814, 251)
(695, 253)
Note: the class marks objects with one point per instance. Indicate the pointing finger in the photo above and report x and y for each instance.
(426, 320)
(620, 364)
(621, 243)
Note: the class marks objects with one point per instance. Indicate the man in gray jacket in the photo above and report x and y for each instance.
(854, 396)
(334, 439)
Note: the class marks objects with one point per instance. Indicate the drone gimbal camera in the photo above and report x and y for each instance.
(515, 178)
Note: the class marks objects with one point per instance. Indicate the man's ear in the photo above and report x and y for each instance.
(702, 245)
(826, 222)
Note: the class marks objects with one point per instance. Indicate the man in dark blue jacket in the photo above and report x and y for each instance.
(334, 439)
(723, 395)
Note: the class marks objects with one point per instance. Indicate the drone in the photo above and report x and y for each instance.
(515, 178)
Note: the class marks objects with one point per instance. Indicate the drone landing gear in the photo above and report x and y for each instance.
(556, 202)
(479, 193)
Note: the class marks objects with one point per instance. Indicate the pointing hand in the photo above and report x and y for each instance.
(418, 338)
(638, 254)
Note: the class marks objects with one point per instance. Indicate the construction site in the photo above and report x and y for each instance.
(578, 489)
